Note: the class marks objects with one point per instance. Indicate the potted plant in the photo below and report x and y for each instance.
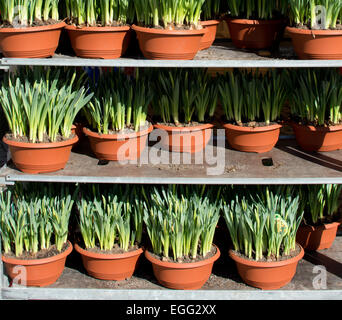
(181, 224)
(184, 109)
(167, 31)
(252, 103)
(263, 232)
(40, 106)
(210, 19)
(29, 29)
(34, 231)
(316, 101)
(321, 216)
(111, 224)
(117, 115)
(99, 29)
(316, 29)
(256, 24)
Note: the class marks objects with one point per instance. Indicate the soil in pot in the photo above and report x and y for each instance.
(257, 138)
(99, 42)
(317, 237)
(255, 34)
(30, 42)
(316, 44)
(183, 275)
(209, 38)
(122, 146)
(318, 139)
(190, 138)
(40, 270)
(34, 158)
(267, 275)
(113, 265)
(161, 44)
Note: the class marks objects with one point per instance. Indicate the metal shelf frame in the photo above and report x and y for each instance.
(9, 177)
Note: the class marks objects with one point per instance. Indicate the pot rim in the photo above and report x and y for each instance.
(309, 32)
(188, 265)
(212, 22)
(49, 145)
(104, 256)
(324, 226)
(34, 262)
(133, 135)
(200, 127)
(169, 32)
(97, 29)
(254, 21)
(262, 264)
(59, 25)
(315, 129)
(272, 127)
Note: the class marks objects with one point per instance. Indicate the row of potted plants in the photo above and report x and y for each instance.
(102, 29)
(179, 222)
(41, 105)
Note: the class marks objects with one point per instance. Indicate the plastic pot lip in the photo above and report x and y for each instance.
(132, 135)
(272, 127)
(51, 145)
(316, 129)
(254, 21)
(103, 256)
(97, 29)
(212, 22)
(262, 264)
(35, 262)
(59, 25)
(200, 127)
(175, 265)
(309, 32)
(325, 226)
(169, 32)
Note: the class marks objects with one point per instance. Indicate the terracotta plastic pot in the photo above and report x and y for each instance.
(185, 139)
(39, 272)
(99, 42)
(316, 44)
(266, 275)
(209, 38)
(34, 158)
(163, 44)
(31, 42)
(317, 238)
(118, 147)
(114, 267)
(182, 276)
(318, 139)
(254, 34)
(249, 139)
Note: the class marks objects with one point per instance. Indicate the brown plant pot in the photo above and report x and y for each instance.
(118, 147)
(254, 34)
(316, 44)
(160, 44)
(209, 38)
(39, 272)
(185, 139)
(34, 158)
(249, 139)
(114, 267)
(266, 275)
(319, 237)
(99, 42)
(318, 139)
(30, 42)
(182, 276)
